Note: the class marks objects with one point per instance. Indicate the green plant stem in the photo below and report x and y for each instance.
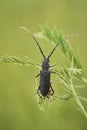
(78, 100)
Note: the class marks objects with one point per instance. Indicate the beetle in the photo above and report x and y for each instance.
(45, 88)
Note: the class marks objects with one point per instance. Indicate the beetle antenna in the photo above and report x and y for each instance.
(67, 37)
(34, 40)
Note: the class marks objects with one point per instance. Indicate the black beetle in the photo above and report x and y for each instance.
(45, 88)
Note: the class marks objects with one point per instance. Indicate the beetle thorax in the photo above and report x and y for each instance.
(45, 64)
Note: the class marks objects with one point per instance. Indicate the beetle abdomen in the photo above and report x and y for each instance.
(44, 82)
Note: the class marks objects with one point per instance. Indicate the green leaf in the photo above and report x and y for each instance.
(23, 60)
(55, 36)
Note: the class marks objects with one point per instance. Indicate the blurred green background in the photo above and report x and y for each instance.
(18, 107)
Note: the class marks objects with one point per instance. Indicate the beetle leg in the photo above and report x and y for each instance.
(37, 75)
(53, 72)
(51, 91)
(39, 94)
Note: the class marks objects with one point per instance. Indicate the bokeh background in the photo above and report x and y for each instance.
(18, 107)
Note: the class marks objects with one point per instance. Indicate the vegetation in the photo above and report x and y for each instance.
(68, 75)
